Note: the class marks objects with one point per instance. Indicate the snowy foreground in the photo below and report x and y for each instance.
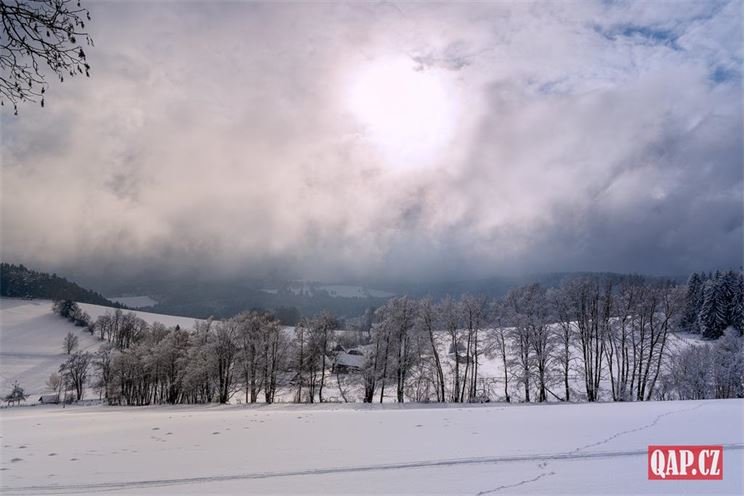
(348, 449)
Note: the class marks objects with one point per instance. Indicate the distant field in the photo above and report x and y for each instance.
(134, 301)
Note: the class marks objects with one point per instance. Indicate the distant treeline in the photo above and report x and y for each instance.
(20, 282)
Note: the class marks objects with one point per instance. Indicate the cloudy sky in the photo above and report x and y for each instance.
(385, 140)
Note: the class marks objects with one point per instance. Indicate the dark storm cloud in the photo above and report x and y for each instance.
(588, 137)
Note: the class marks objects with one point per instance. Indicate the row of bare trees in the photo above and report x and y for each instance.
(567, 343)
(592, 338)
(209, 363)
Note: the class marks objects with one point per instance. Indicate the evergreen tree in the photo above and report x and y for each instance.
(728, 290)
(736, 316)
(694, 299)
(714, 315)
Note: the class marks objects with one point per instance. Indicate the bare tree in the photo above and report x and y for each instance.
(620, 342)
(373, 360)
(323, 325)
(591, 310)
(517, 307)
(225, 349)
(249, 332)
(40, 36)
(450, 317)
(429, 320)
(657, 310)
(16, 395)
(398, 316)
(102, 361)
(273, 345)
(498, 343)
(54, 382)
(300, 346)
(75, 371)
(473, 309)
(70, 343)
(565, 330)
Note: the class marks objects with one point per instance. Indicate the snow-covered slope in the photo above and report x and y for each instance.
(353, 449)
(168, 320)
(31, 340)
(31, 343)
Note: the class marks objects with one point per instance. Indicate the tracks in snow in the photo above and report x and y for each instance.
(637, 429)
(123, 485)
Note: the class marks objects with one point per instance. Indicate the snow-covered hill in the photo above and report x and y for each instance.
(31, 340)
(353, 449)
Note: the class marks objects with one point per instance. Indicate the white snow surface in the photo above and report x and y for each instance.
(352, 449)
(31, 340)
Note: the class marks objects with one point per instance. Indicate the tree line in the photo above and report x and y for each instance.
(592, 338)
(713, 303)
(17, 281)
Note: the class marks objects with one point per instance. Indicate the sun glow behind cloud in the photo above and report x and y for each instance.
(409, 115)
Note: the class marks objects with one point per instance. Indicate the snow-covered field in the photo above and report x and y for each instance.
(31, 340)
(347, 449)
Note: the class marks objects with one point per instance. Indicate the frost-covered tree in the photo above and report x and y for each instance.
(690, 373)
(74, 372)
(727, 365)
(591, 303)
(54, 382)
(659, 305)
(711, 370)
(102, 362)
(224, 351)
(450, 318)
(248, 336)
(623, 346)
(474, 310)
(70, 343)
(429, 321)
(499, 345)
(373, 369)
(564, 331)
(16, 395)
(518, 302)
(323, 327)
(398, 315)
(64, 308)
